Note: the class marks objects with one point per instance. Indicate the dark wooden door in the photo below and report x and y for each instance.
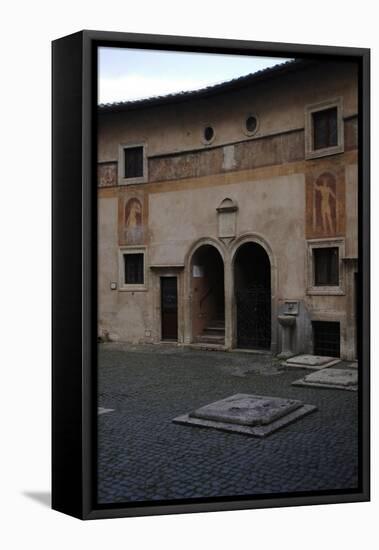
(169, 308)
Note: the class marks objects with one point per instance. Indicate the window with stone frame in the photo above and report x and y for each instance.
(133, 162)
(324, 128)
(326, 266)
(324, 125)
(134, 268)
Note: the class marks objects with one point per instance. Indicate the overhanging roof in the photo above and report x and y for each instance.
(235, 84)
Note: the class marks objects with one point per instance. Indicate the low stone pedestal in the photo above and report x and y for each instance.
(340, 379)
(255, 415)
(287, 322)
(315, 362)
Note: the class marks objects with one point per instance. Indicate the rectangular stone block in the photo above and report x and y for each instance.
(307, 361)
(250, 410)
(344, 379)
(255, 415)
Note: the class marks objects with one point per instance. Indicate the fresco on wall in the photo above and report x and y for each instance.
(107, 174)
(133, 228)
(325, 204)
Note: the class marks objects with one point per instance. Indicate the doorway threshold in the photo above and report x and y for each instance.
(209, 347)
(252, 351)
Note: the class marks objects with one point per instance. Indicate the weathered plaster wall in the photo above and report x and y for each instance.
(273, 208)
(265, 175)
(124, 315)
(278, 103)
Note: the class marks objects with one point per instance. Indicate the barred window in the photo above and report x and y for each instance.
(326, 338)
(134, 269)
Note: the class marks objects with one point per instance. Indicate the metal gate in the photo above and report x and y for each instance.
(254, 318)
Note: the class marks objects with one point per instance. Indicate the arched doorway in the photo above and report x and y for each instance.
(207, 296)
(252, 287)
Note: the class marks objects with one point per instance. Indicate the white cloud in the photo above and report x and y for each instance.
(135, 86)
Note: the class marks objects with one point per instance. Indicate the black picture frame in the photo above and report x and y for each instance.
(74, 272)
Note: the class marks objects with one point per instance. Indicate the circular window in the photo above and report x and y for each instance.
(209, 134)
(251, 125)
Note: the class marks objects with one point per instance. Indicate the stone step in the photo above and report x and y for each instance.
(210, 339)
(217, 323)
(213, 329)
(209, 346)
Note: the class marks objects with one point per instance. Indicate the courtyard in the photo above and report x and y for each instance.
(143, 455)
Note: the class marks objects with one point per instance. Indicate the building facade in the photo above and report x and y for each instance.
(227, 216)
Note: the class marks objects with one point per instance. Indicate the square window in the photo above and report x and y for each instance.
(134, 269)
(325, 133)
(326, 262)
(325, 267)
(324, 128)
(133, 162)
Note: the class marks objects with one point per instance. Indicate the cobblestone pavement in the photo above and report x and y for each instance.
(143, 455)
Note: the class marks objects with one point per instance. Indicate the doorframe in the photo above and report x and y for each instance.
(255, 238)
(161, 280)
(159, 271)
(349, 334)
(187, 299)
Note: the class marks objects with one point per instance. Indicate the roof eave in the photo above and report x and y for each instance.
(235, 84)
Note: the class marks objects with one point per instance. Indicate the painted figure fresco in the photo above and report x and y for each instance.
(133, 222)
(325, 204)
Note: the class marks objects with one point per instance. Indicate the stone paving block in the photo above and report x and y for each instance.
(143, 455)
(341, 379)
(306, 361)
(254, 415)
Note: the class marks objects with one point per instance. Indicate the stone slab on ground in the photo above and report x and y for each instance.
(340, 379)
(248, 414)
(315, 362)
(351, 365)
(103, 410)
(251, 410)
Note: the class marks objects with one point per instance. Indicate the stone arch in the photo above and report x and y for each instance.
(227, 205)
(259, 240)
(194, 291)
(204, 241)
(253, 238)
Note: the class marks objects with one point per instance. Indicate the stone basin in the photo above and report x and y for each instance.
(287, 320)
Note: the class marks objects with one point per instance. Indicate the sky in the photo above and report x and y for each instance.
(126, 74)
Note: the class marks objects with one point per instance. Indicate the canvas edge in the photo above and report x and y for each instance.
(83, 377)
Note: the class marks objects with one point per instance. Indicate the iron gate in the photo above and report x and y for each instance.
(253, 318)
